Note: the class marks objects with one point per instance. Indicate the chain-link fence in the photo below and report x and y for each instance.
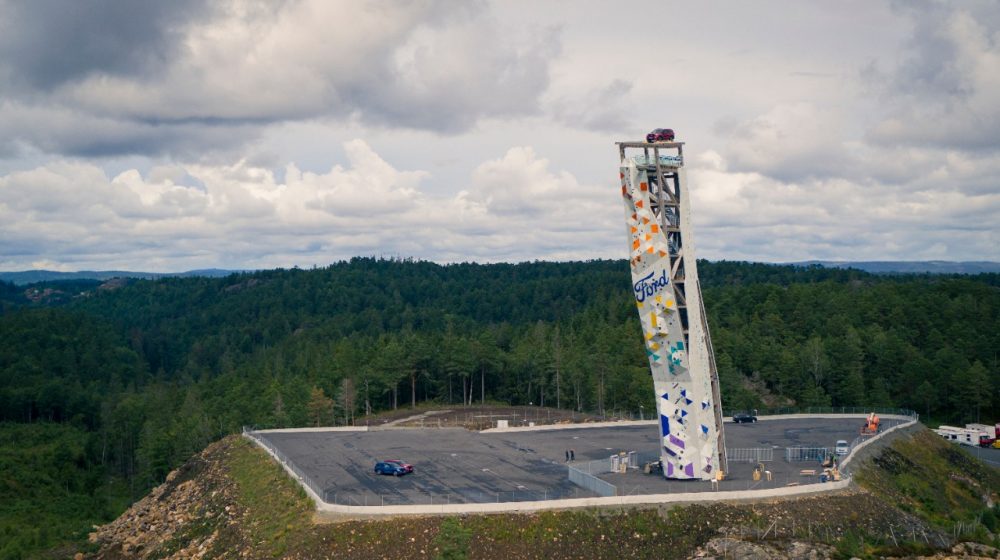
(749, 454)
(284, 461)
(800, 454)
(882, 411)
(590, 482)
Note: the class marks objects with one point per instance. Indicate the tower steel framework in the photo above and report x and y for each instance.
(668, 297)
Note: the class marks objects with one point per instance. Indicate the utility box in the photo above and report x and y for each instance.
(503, 424)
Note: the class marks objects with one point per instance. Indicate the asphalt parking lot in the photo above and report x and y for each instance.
(454, 465)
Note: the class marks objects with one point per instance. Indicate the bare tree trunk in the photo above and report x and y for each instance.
(482, 385)
(600, 394)
(558, 400)
(413, 390)
(368, 404)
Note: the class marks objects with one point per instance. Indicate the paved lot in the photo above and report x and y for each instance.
(455, 465)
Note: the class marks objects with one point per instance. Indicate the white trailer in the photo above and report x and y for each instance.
(964, 436)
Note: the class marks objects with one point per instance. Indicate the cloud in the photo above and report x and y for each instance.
(791, 141)
(602, 109)
(177, 217)
(47, 43)
(751, 215)
(945, 90)
(157, 80)
(59, 129)
(905, 171)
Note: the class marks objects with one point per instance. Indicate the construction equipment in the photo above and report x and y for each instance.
(871, 425)
(758, 472)
(830, 461)
(830, 475)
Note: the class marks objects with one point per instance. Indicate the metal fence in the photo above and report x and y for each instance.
(284, 461)
(598, 466)
(749, 454)
(351, 497)
(798, 454)
(882, 411)
(591, 482)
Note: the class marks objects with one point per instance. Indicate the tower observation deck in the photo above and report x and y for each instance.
(668, 297)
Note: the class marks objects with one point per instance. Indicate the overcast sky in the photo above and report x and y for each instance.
(168, 136)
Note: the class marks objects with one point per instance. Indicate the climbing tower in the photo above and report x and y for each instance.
(668, 296)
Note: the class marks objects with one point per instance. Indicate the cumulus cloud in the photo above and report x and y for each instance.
(753, 216)
(46, 43)
(907, 171)
(602, 109)
(156, 79)
(883, 147)
(792, 141)
(173, 217)
(945, 90)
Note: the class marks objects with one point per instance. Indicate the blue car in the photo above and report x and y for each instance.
(394, 467)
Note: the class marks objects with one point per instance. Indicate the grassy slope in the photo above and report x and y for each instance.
(936, 481)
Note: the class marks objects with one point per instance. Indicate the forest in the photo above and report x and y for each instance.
(107, 386)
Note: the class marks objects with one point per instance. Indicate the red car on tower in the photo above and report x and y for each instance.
(661, 135)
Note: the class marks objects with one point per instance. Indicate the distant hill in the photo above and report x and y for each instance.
(875, 267)
(31, 276)
(911, 267)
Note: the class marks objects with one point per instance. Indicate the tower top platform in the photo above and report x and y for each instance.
(644, 144)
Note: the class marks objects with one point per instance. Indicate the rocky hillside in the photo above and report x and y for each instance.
(920, 497)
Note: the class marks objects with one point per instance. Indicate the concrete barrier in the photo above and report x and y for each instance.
(868, 441)
(572, 503)
(305, 430)
(548, 427)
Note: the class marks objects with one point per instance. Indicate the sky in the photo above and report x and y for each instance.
(170, 136)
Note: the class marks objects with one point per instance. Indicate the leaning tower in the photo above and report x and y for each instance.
(668, 297)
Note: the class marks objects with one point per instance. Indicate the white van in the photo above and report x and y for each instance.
(842, 448)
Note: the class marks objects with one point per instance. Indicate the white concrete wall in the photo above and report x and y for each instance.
(509, 507)
(306, 430)
(547, 427)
